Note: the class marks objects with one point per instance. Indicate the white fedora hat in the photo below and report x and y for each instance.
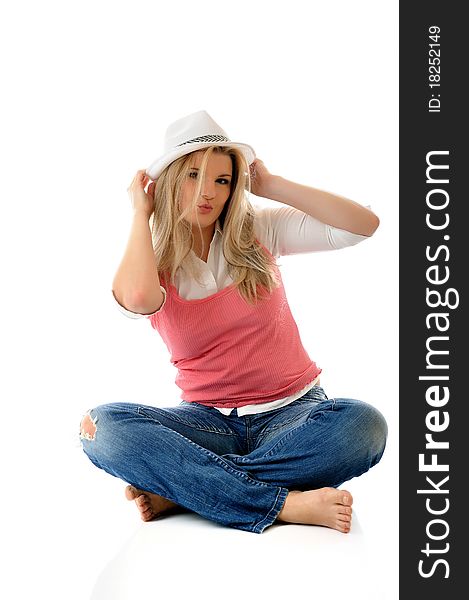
(191, 133)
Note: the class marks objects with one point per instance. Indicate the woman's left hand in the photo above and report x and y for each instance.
(261, 178)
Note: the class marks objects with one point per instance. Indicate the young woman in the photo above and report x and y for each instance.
(255, 439)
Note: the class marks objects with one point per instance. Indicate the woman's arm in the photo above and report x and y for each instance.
(326, 207)
(136, 285)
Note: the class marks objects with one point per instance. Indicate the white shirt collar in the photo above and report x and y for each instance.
(218, 227)
(216, 239)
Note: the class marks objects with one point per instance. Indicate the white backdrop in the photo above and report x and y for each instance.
(89, 88)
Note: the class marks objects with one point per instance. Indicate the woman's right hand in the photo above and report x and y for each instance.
(142, 200)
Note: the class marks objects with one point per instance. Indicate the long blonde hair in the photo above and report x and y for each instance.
(250, 267)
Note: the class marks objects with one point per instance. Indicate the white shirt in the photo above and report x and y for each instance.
(284, 230)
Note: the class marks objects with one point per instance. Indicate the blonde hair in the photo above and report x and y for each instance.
(252, 269)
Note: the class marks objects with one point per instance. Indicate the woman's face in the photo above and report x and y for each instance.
(214, 192)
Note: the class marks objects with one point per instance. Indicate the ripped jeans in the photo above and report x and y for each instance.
(236, 470)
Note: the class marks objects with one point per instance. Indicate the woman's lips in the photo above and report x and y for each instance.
(204, 209)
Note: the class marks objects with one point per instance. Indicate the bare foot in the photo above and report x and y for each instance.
(327, 506)
(150, 505)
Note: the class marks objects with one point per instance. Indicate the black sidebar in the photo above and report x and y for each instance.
(433, 264)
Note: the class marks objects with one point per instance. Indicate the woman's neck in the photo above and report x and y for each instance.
(207, 236)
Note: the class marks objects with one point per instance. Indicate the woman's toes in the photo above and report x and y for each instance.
(344, 518)
(343, 526)
(147, 515)
(131, 493)
(141, 500)
(346, 498)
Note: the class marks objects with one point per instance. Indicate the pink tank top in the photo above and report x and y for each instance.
(229, 353)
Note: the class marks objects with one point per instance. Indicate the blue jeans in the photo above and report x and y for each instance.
(237, 470)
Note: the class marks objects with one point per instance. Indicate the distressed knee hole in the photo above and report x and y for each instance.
(88, 427)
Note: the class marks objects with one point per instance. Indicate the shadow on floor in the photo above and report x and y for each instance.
(185, 555)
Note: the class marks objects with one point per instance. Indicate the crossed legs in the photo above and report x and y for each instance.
(291, 476)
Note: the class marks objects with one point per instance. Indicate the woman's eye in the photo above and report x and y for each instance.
(222, 180)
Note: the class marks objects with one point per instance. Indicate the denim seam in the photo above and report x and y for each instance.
(275, 510)
(142, 411)
(230, 469)
(222, 461)
(289, 433)
(283, 440)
